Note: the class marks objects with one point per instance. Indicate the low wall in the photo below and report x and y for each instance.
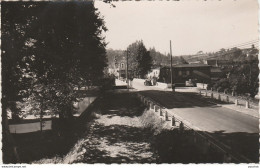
(29, 127)
(162, 85)
(202, 85)
(138, 80)
(231, 99)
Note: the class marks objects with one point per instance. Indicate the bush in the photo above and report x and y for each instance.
(227, 90)
(222, 85)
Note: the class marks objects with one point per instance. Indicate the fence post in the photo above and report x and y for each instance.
(236, 102)
(206, 94)
(151, 105)
(219, 98)
(166, 116)
(233, 94)
(247, 105)
(154, 108)
(200, 92)
(211, 95)
(227, 98)
(173, 121)
(181, 127)
(160, 111)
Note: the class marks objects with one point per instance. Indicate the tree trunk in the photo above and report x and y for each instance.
(10, 154)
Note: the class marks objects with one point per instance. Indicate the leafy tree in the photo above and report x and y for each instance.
(114, 57)
(60, 45)
(139, 59)
(183, 61)
(48, 48)
(244, 78)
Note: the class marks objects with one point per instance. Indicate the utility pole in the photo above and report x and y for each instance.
(171, 66)
(127, 70)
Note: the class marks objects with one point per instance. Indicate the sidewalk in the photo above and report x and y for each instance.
(233, 98)
(254, 112)
(120, 83)
(241, 109)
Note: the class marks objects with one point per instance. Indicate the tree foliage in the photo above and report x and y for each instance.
(139, 59)
(242, 79)
(48, 48)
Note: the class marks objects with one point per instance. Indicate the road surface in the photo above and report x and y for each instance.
(203, 114)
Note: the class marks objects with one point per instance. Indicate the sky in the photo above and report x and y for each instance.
(191, 25)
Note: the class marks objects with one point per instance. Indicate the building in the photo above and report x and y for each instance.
(121, 69)
(198, 73)
(113, 71)
(217, 63)
(154, 73)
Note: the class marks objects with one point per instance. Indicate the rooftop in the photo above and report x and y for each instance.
(190, 65)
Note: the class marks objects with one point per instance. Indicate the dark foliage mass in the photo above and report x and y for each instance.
(239, 67)
(48, 49)
(139, 59)
(241, 78)
(158, 59)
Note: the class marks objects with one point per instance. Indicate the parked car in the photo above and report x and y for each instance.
(147, 82)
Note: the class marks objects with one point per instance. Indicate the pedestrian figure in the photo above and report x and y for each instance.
(154, 80)
(131, 82)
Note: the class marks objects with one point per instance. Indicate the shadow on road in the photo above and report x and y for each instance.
(171, 99)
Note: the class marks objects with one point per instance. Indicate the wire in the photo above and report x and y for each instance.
(252, 41)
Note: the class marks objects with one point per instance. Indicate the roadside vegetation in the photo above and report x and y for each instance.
(49, 49)
(242, 79)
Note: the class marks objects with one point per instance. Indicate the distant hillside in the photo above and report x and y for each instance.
(234, 54)
(159, 59)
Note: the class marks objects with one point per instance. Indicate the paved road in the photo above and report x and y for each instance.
(204, 115)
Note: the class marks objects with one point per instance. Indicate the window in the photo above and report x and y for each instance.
(179, 73)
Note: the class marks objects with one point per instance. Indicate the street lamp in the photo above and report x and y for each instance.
(172, 87)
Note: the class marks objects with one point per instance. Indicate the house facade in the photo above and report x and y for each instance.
(199, 73)
(154, 73)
